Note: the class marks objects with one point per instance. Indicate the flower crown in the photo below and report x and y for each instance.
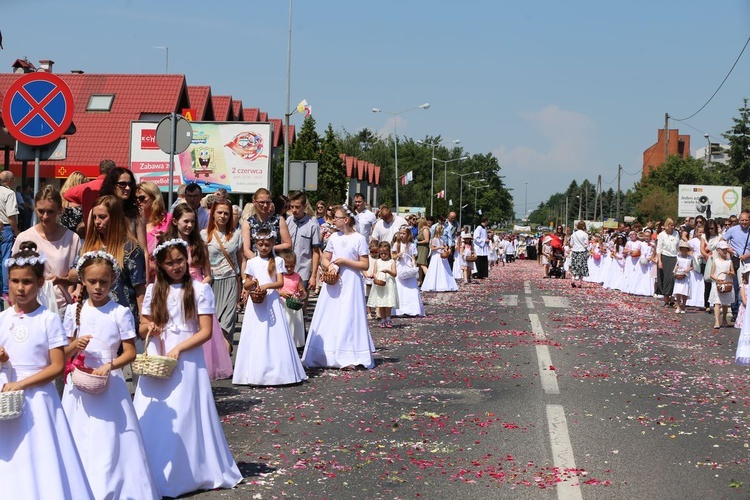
(270, 236)
(167, 244)
(98, 254)
(25, 261)
(348, 211)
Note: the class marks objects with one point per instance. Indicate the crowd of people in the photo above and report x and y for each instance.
(110, 278)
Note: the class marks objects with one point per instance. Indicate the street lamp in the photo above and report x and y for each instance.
(579, 207)
(395, 138)
(432, 178)
(461, 194)
(445, 172)
(525, 201)
(476, 190)
(708, 151)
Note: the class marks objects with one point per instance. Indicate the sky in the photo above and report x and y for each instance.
(557, 91)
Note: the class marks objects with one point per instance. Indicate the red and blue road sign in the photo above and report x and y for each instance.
(38, 108)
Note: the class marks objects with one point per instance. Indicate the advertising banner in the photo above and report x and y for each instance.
(231, 155)
(722, 201)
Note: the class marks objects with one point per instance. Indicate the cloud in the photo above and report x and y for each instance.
(565, 142)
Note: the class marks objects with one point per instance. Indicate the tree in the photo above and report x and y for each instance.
(331, 170)
(737, 170)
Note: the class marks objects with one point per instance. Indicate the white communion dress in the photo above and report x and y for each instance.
(339, 335)
(38, 457)
(104, 426)
(181, 429)
(409, 297)
(267, 354)
(439, 277)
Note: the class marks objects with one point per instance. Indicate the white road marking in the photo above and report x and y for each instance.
(562, 453)
(527, 287)
(547, 374)
(529, 302)
(509, 300)
(554, 301)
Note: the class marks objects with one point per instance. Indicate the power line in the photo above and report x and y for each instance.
(637, 172)
(721, 85)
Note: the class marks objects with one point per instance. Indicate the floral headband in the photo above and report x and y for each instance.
(270, 236)
(26, 261)
(98, 254)
(167, 244)
(348, 211)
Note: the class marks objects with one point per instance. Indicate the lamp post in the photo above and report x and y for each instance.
(476, 191)
(285, 184)
(708, 151)
(395, 138)
(525, 202)
(461, 195)
(432, 177)
(445, 172)
(579, 207)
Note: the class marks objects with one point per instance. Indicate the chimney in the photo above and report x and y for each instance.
(76, 71)
(46, 65)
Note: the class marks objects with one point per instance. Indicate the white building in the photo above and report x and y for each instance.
(723, 157)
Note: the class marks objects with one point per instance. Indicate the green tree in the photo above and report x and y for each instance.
(737, 170)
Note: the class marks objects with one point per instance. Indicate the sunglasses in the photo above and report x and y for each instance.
(123, 184)
(141, 199)
(264, 203)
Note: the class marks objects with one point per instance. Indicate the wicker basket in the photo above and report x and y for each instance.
(635, 253)
(85, 380)
(680, 276)
(376, 281)
(149, 365)
(471, 258)
(330, 277)
(11, 403)
(294, 303)
(723, 286)
(258, 295)
(445, 254)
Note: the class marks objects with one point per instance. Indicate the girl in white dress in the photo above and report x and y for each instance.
(439, 276)
(266, 354)
(409, 297)
(467, 268)
(293, 287)
(615, 277)
(104, 426)
(38, 457)
(742, 355)
(339, 336)
(697, 285)
(181, 429)
(383, 295)
(682, 267)
(721, 270)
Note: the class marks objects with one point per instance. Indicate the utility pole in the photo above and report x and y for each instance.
(619, 169)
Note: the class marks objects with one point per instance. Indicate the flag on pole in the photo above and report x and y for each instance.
(440, 194)
(407, 178)
(304, 107)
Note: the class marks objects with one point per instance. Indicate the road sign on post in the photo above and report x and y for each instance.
(174, 134)
(38, 108)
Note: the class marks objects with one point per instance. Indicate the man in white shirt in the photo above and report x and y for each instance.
(482, 249)
(364, 218)
(388, 225)
(9, 222)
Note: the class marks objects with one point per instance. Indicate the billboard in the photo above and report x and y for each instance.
(723, 201)
(231, 155)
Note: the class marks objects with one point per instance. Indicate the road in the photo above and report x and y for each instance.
(516, 387)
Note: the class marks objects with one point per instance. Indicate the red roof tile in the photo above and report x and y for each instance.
(200, 100)
(237, 110)
(107, 134)
(251, 114)
(222, 108)
(263, 117)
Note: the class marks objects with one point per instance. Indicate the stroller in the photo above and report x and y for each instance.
(556, 269)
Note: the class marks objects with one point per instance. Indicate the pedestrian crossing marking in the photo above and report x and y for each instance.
(509, 300)
(553, 301)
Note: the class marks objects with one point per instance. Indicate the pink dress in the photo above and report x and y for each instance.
(295, 319)
(218, 361)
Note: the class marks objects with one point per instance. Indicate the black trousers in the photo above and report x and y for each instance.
(482, 268)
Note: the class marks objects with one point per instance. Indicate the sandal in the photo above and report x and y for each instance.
(348, 368)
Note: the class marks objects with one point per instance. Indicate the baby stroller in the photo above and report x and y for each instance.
(556, 269)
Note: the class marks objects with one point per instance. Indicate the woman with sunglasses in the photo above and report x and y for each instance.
(264, 217)
(120, 183)
(154, 212)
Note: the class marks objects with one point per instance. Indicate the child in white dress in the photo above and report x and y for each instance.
(721, 271)
(682, 267)
(742, 355)
(38, 457)
(104, 426)
(339, 336)
(181, 429)
(439, 277)
(383, 295)
(293, 287)
(468, 267)
(367, 276)
(407, 271)
(266, 354)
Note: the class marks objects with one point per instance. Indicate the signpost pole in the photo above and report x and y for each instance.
(171, 160)
(37, 153)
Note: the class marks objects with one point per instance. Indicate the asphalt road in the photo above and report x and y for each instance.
(516, 387)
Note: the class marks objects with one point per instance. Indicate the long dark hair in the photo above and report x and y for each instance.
(129, 206)
(198, 249)
(159, 309)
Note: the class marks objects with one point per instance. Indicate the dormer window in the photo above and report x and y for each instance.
(100, 102)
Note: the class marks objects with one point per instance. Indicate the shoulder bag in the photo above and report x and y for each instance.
(736, 258)
(238, 276)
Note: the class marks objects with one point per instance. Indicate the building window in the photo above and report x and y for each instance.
(100, 102)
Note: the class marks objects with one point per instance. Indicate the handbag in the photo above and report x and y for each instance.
(707, 270)
(407, 272)
(238, 275)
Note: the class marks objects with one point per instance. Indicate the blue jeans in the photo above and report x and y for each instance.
(6, 245)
